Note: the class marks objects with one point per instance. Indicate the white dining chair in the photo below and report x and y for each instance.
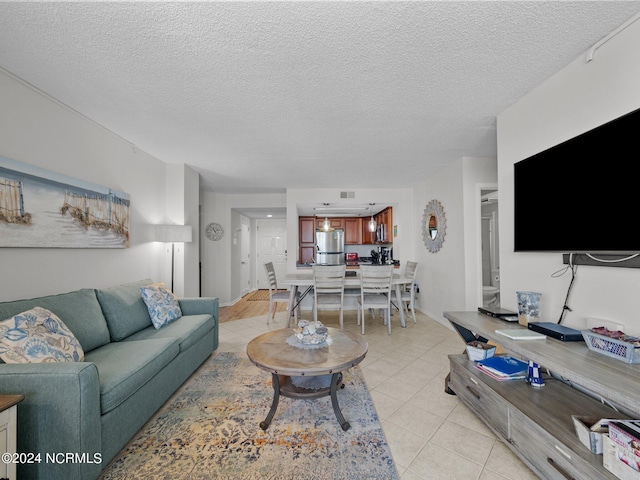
(375, 291)
(275, 295)
(328, 289)
(407, 299)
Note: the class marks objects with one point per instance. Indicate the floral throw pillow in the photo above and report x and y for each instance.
(38, 336)
(162, 305)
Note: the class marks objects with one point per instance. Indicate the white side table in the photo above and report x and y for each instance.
(9, 432)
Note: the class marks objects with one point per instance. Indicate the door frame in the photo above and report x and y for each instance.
(258, 263)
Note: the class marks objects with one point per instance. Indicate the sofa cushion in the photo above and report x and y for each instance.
(187, 330)
(161, 303)
(124, 367)
(38, 336)
(79, 310)
(124, 309)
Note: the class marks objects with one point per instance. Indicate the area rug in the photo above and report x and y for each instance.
(210, 430)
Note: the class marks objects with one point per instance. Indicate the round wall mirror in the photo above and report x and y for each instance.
(433, 226)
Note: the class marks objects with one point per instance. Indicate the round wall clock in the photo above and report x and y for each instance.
(214, 231)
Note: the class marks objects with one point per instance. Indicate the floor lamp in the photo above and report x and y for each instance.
(173, 234)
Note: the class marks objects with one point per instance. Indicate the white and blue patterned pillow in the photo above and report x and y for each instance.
(162, 305)
(38, 336)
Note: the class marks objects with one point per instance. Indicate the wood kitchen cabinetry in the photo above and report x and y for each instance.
(351, 226)
(333, 223)
(536, 423)
(356, 231)
(307, 239)
(352, 231)
(368, 238)
(385, 217)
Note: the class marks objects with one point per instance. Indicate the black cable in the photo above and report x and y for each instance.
(574, 270)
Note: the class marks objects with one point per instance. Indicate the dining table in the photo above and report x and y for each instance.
(302, 282)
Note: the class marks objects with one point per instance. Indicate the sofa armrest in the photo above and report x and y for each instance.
(60, 414)
(198, 306)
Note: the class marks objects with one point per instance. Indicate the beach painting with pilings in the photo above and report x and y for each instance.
(44, 209)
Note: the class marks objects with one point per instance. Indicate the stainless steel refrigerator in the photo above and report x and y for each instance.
(330, 247)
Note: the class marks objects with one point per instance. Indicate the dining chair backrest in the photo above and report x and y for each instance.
(271, 275)
(410, 269)
(375, 291)
(328, 279)
(408, 293)
(328, 289)
(375, 278)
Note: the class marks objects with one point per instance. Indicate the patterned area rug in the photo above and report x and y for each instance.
(210, 429)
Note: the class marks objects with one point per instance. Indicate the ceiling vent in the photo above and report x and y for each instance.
(347, 194)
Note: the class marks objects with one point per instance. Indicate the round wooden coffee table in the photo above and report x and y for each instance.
(271, 352)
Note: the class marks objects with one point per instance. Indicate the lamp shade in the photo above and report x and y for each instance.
(173, 233)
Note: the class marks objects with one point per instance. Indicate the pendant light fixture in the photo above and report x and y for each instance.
(326, 225)
(372, 223)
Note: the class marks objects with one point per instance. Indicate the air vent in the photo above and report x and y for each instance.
(347, 194)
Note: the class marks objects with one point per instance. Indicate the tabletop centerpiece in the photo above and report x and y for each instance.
(310, 334)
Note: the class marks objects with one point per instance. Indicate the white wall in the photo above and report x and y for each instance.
(441, 275)
(577, 99)
(216, 257)
(37, 130)
(451, 278)
(182, 208)
(478, 173)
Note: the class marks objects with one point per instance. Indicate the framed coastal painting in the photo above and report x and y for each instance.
(40, 208)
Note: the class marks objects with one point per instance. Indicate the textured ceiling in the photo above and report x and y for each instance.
(261, 96)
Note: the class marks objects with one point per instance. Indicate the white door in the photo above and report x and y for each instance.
(245, 242)
(272, 247)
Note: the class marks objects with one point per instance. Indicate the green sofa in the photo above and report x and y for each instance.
(91, 409)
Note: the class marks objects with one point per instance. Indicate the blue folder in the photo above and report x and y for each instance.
(506, 365)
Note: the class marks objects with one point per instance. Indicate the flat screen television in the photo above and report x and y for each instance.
(583, 195)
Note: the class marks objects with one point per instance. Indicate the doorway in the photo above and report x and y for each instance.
(271, 245)
(490, 248)
(245, 243)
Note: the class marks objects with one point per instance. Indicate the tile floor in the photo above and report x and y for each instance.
(431, 434)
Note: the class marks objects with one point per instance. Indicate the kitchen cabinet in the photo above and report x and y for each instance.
(307, 254)
(352, 231)
(307, 239)
(356, 231)
(385, 217)
(368, 238)
(333, 223)
(307, 230)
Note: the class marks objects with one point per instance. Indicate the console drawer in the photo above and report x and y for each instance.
(470, 388)
(552, 458)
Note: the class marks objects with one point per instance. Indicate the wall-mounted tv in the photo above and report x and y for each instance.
(583, 195)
